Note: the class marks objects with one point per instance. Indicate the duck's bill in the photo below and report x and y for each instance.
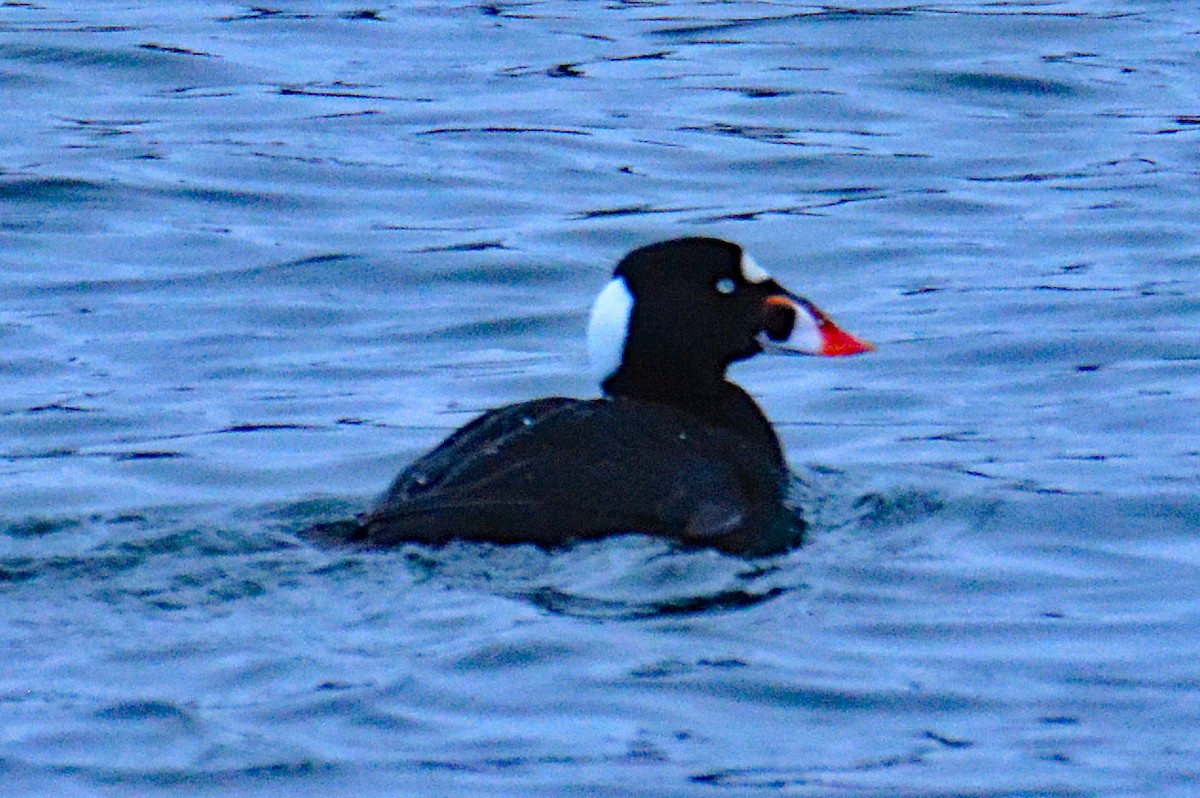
(798, 327)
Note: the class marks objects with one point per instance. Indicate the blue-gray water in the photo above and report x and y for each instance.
(252, 260)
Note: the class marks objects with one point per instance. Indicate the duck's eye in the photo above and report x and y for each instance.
(725, 285)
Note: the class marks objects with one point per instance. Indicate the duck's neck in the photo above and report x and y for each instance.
(719, 403)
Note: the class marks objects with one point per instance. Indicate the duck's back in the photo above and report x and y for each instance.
(555, 470)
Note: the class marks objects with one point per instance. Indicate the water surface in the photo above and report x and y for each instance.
(253, 260)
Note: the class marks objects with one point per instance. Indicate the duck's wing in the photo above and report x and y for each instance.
(466, 455)
(555, 470)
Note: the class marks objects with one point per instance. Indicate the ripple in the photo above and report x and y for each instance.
(559, 602)
(50, 190)
(991, 83)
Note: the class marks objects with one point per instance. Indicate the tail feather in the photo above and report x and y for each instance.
(336, 534)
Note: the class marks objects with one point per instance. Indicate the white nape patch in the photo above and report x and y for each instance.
(805, 338)
(752, 271)
(608, 328)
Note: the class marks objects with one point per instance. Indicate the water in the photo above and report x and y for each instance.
(254, 260)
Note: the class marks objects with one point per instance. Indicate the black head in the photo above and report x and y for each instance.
(676, 314)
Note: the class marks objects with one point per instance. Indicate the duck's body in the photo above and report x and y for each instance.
(673, 449)
(554, 470)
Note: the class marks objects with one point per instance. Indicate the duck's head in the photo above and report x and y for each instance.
(683, 310)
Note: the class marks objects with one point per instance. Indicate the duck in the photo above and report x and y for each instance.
(672, 448)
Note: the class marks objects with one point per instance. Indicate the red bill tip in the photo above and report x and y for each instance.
(836, 342)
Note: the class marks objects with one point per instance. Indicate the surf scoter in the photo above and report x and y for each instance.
(672, 449)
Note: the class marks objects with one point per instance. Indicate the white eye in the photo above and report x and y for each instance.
(725, 285)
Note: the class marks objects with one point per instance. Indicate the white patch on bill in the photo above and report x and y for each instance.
(609, 327)
(804, 339)
(752, 271)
